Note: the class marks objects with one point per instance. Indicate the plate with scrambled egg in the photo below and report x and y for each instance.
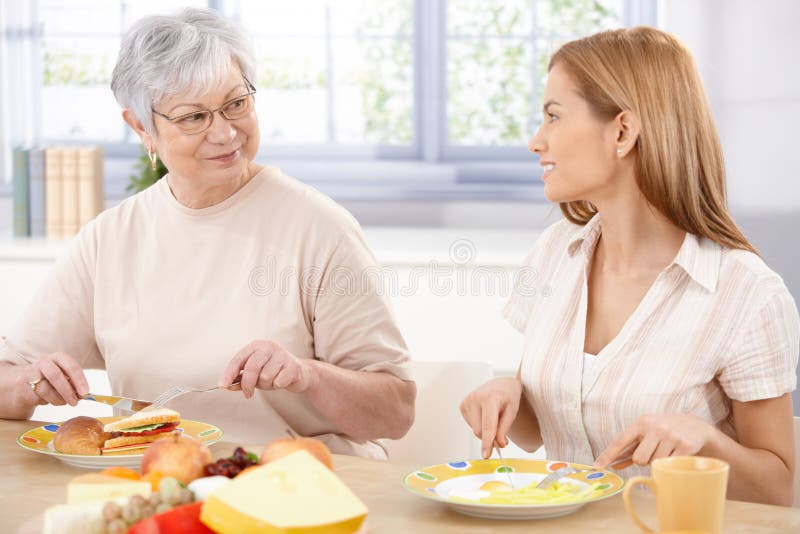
(483, 488)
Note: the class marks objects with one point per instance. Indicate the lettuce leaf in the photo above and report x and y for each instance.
(142, 428)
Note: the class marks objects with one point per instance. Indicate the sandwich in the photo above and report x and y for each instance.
(140, 429)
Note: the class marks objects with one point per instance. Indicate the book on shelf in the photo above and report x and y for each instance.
(91, 193)
(21, 178)
(36, 192)
(52, 195)
(70, 211)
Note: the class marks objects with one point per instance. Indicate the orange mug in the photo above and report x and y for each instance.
(690, 493)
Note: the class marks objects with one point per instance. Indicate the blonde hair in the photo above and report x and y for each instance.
(679, 164)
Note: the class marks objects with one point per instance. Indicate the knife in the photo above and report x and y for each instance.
(125, 404)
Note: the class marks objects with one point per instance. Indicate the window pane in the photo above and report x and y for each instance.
(77, 102)
(333, 72)
(372, 17)
(79, 49)
(488, 17)
(136, 9)
(489, 91)
(578, 17)
(81, 17)
(373, 91)
(495, 74)
(299, 17)
(292, 90)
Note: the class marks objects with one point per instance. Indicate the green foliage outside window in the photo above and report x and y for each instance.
(491, 68)
(497, 53)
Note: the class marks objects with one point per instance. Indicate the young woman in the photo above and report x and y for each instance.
(662, 332)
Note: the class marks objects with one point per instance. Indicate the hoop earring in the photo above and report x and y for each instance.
(153, 157)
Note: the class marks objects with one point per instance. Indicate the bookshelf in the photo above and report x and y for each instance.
(56, 190)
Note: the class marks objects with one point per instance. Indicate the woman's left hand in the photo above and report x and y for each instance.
(264, 364)
(657, 436)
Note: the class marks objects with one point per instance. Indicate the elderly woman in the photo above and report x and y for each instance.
(664, 333)
(223, 268)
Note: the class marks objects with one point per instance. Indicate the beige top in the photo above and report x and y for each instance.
(160, 294)
(717, 324)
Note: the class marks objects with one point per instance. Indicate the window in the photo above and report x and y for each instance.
(334, 72)
(398, 96)
(79, 46)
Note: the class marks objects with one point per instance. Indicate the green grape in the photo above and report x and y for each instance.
(170, 490)
(117, 526)
(112, 511)
(155, 499)
(131, 513)
(137, 500)
(148, 510)
(186, 496)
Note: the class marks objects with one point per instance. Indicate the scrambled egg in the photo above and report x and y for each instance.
(498, 492)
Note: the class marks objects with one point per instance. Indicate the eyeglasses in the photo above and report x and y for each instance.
(199, 121)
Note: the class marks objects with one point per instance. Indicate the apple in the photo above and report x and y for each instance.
(284, 446)
(176, 456)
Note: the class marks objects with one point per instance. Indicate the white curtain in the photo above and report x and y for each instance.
(20, 76)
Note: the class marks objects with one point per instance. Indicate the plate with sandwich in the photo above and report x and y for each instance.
(106, 441)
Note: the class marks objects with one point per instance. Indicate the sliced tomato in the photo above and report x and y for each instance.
(168, 427)
(183, 519)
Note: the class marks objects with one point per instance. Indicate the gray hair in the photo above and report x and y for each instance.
(188, 52)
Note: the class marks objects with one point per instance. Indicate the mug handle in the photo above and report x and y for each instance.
(626, 496)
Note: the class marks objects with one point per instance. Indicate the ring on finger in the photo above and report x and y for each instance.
(34, 383)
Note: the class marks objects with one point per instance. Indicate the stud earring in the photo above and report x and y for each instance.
(153, 157)
(619, 152)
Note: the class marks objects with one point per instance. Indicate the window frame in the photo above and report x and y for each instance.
(427, 169)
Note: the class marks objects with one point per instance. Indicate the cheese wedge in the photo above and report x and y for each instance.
(296, 494)
(97, 487)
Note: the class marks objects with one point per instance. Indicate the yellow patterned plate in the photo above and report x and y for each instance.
(40, 440)
(457, 484)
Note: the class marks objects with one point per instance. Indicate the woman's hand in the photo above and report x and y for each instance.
(264, 364)
(55, 379)
(658, 436)
(491, 409)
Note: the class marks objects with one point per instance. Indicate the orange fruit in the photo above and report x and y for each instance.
(121, 472)
(154, 477)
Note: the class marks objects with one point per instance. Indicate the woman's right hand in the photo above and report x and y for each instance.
(491, 409)
(55, 379)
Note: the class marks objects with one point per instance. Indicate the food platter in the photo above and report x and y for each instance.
(40, 440)
(457, 484)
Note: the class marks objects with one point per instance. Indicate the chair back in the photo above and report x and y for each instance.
(439, 433)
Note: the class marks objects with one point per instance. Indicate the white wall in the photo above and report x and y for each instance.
(747, 53)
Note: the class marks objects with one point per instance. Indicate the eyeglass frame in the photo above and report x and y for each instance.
(251, 91)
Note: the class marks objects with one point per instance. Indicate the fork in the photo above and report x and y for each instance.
(558, 474)
(174, 392)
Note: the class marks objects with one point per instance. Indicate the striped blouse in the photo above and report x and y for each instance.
(717, 324)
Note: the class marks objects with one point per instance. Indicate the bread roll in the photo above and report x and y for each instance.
(80, 435)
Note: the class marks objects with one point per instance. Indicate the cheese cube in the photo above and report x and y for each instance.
(97, 487)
